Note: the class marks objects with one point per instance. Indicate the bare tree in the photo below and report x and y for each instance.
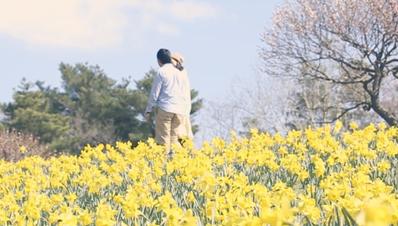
(350, 43)
(315, 102)
(15, 146)
(218, 119)
(263, 102)
(258, 102)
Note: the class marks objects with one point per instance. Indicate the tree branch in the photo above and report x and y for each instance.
(365, 105)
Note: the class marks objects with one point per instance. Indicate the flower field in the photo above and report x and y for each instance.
(321, 176)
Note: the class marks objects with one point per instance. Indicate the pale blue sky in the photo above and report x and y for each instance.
(219, 39)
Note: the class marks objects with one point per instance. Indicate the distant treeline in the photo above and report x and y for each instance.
(88, 108)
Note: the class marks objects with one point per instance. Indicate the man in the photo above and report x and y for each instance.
(170, 93)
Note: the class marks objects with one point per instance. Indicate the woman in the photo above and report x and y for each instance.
(185, 130)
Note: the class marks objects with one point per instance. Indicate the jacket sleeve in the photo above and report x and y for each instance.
(155, 92)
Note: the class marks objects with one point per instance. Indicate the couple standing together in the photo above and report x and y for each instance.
(170, 98)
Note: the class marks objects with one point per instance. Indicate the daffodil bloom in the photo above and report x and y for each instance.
(315, 176)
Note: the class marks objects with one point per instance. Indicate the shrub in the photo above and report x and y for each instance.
(15, 146)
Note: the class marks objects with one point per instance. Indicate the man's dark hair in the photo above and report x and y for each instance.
(164, 56)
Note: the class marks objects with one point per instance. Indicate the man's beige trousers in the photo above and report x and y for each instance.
(167, 128)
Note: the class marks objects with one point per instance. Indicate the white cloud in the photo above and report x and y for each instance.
(66, 23)
(91, 24)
